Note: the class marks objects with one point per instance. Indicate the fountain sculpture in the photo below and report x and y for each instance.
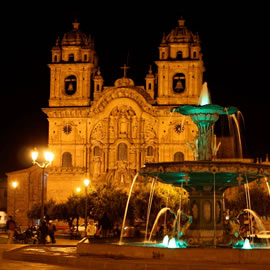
(206, 178)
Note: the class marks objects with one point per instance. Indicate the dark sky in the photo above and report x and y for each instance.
(234, 43)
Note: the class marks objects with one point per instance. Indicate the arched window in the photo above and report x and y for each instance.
(122, 151)
(150, 151)
(55, 58)
(97, 151)
(66, 159)
(194, 54)
(70, 85)
(178, 156)
(179, 55)
(179, 83)
(85, 57)
(163, 55)
(71, 57)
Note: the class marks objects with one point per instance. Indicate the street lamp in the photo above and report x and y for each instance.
(14, 185)
(86, 184)
(48, 156)
(78, 189)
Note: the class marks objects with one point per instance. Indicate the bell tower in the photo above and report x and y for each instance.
(73, 65)
(180, 67)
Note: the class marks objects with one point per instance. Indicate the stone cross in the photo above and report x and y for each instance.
(125, 70)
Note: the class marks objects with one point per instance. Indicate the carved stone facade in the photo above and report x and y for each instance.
(110, 137)
(108, 133)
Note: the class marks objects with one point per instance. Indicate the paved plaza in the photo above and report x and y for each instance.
(63, 256)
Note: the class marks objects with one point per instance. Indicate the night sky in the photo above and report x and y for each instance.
(234, 43)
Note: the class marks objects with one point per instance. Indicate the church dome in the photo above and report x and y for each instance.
(124, 82)
(181, 34)
(75, 37)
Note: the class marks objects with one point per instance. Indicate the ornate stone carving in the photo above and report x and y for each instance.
(98, 132)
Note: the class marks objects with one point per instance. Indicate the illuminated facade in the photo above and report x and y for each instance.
(107, 133)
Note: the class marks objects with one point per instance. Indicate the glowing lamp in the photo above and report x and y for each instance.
(48, 156)
(34, 155)
(78, 189)
(86, 182)
(14, 184)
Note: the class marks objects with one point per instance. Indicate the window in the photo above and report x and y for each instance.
(178, 156)
(179, 83)
(97, 151)
(70, 85)
(122, 152)
(194, 54)
(55, 58)
(149, 86)
(66, 159)
(85, 57)
(179, 55)
(150, 151)
(71, 57)
(163, 55)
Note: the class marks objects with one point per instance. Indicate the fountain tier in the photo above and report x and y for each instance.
(205, 179)
(205, 116)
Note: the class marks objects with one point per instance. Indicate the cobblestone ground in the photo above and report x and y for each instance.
(19, 265)
(108, 264)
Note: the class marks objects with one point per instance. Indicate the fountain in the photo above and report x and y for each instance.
(205, 179)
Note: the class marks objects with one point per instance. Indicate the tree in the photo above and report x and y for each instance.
(35, 211)
(164, 196)
(259, 200)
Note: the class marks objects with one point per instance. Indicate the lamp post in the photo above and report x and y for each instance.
(48, 156)
(86, 184)
(14, 185)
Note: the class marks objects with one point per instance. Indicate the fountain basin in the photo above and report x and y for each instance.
(181, 256)
(205, 109)
(201, 173)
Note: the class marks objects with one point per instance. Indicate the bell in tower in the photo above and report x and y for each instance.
(70, 87)
(71, 81)
(179, 86)
(180, 67)
(179, 83)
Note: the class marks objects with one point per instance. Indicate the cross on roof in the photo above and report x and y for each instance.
(125, 70)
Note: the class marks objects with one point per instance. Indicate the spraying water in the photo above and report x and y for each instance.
(204, 98)
(125, 215)
(267, 184)
(257, 219)
(149, 206)
(233, 116)
(161, 212)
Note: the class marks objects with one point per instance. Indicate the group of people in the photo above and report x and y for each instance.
(44, 231)
(47, 230)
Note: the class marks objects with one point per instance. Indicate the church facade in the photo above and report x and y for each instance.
(107, 133)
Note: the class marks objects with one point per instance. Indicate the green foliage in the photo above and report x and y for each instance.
(35, 212)
(259, 200)
(112, 201)
(164, 196)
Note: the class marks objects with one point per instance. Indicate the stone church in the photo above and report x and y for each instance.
(107, 133)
